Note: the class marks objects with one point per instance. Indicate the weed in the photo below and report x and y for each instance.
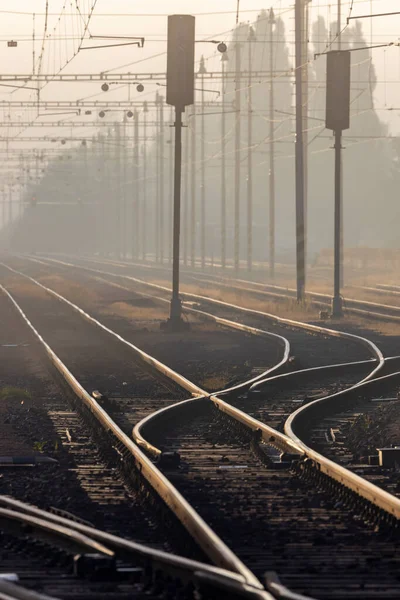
(14, 393)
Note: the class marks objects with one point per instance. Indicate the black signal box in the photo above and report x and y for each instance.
(180, 60)
(337, 90)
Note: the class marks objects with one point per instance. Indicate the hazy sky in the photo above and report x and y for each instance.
(148, 19)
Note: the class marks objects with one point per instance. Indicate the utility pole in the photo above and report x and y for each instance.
(22, 184)
(305, 118)
(193, 189)
(123, 223)
(237, 152)
(250, 39)
(202, 71)
(157, 183)
(299, 151)
(171, 186)
(136, 186)
(10, 204)
(271, 22)
(117, 187)
(4, 211)
(224, 59)
(186, 198)
(102, 166)
(144, 184)
(162, 194)
(339, 141)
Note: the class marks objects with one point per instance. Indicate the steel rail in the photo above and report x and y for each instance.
(224, 323)
(66, 537)
(310, 370)
(273, 438)
(389, 287)
(319, 298)
(285, 293)
(361, 486)
(170, 563)
(373, 349)
(258, 382)
(375, 290)
(267, 433)
(211, 544)
(10, 591)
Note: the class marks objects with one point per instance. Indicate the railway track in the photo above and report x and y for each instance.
(194, 454)
(51, 554)
(270, 514)
(386, 342)
(309, 341)
(352, 305)
(79, 478)
(206, 537)
(352, 435)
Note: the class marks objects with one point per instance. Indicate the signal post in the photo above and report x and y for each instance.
(338, 119)
(180, 93)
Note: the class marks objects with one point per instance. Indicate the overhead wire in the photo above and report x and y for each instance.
(278, 75)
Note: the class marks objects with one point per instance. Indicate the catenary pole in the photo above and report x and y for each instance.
(299, 150)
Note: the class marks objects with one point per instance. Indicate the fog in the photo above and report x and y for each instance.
(92, 189)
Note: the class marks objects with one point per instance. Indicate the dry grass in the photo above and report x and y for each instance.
(26, 289)
(213, 383)
(288, 309)
(75, 292)
(381, 327)
(136, 313)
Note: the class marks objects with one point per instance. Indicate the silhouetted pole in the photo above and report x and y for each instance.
(237, 153)
(123, 232)
(117, 188)
(175, 314)
(144, 184)
(224, 59)
(180, 93)
(102, 172)
(299, 149)
(305, 123)
(271, 22)
(337, 119)
(136, 186)
(10, 203)
(337, 310)
(162, 191)
(186, 199)
(4, 209)
(202, 70)
(250, 39)
(171, 186)
(157, 183)
(193, 189)
(339, 140)
(21, 183)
